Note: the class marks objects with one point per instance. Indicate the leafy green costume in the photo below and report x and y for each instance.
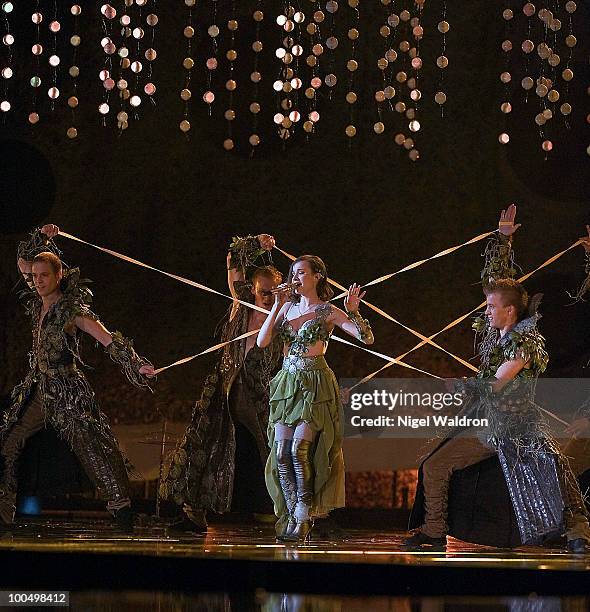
(543, 491)
(200, 471)
(68, 402)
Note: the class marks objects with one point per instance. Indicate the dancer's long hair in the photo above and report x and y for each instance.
(317, 266)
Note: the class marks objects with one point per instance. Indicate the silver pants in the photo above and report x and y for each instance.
(96, 450)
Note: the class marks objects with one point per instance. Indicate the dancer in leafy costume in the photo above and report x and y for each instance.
(544, 493)
(585, 286)
(578, 448)
(223, 451)
(55, 392)
(305, 469)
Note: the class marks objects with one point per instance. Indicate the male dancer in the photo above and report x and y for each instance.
(543, 490)
(578, 448)
(55, 392)
(224, 450)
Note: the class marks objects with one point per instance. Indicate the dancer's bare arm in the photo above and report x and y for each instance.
(507, 372)
(233, 275)
(101, 334)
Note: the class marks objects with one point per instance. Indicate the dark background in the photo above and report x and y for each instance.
(363, 206)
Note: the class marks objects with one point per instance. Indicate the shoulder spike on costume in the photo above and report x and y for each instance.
(534, 304)
(525, 341)
(76, 288)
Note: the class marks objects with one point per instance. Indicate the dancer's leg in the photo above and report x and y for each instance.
(456, 454)
(30, 422)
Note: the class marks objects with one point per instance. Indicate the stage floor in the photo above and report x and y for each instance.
(262, 601)
(257, 543)
(93, 554)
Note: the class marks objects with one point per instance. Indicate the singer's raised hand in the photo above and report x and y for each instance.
(354, 297)
(284, 287)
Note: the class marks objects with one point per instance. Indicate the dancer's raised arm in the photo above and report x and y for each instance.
(241, 259)
(40, 240)
(585, 286)
(499, 255)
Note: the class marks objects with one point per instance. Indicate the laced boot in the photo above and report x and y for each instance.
(288, 485)
(304, 476)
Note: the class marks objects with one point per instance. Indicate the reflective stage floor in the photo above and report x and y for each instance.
(245, 558)
(263, 601)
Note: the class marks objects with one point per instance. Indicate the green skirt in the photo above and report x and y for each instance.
(305, 389)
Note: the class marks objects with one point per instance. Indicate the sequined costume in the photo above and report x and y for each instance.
(542, 489)
(200, 472)
(306, 390)
(56, 393)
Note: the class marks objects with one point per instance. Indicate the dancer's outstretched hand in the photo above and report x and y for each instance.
(578, 427)
(354, 297)
(147, 370)
(267, 242)
(50, 230)
(586, 240)
(506, 224)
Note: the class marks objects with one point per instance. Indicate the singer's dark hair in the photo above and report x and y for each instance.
(317, 266)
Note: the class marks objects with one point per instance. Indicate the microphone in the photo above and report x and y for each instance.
(285, 287)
